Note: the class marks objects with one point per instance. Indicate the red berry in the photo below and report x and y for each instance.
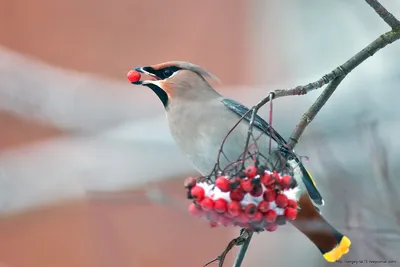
(235, 183)
(234, 208)
(250, 210)
(220, 205)
(258, 217)
(247, 185)
(224, 221)
(285, 181)
(263, 206)
(270, 216)
(207, 204)
(292, 204)
(290, 213)
(257, 191)
(274, 178)
(271, 227)
(197, 193)
(212, 216)
(251, 171)
(237, 194)
(269, 195)
(227, 214)
(223, 184)
(242, 218)
(281, 201)
(213, 224)
(195, 210)
(265, 179)
(133, 76)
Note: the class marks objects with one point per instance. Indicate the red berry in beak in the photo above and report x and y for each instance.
(223, 184)
(133, 76)
(197, 193)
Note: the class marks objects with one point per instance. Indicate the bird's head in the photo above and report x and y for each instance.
(177, 79)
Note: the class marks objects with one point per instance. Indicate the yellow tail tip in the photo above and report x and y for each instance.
(339, 250)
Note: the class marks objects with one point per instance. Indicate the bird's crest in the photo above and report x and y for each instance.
(188, 66)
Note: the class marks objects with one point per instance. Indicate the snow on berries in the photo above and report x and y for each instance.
(257, 199)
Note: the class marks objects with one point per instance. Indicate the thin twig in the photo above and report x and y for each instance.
(242, 251)
(313, 110)
(341, 71)
(334, 78)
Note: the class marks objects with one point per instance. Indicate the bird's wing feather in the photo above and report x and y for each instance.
(262, 125)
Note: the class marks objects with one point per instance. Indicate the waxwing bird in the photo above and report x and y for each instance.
(200, 118)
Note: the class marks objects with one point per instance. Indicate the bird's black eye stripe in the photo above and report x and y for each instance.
(149, 70)
(166, 72)
(162, 73)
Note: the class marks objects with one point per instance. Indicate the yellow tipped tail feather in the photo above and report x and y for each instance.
(341, 249)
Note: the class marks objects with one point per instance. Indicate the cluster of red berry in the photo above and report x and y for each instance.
(258, 199)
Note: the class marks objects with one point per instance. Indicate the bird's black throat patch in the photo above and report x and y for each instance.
(160, 93)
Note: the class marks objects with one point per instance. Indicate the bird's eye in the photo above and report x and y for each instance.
(167, 73)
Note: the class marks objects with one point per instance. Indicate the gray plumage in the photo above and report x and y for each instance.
(200, 118)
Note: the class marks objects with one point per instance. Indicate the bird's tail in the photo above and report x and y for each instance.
(332, 244)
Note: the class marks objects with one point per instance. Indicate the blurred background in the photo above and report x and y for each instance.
(71, 126)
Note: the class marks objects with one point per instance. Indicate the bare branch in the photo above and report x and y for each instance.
(313, 110)
(333, 79)
(242, 252)
(384, 14)
(347, 67)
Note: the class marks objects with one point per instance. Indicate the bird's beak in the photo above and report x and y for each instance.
(152, 75)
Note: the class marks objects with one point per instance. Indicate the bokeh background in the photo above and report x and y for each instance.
(89, 175)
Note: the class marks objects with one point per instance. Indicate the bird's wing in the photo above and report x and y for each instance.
(263, 126)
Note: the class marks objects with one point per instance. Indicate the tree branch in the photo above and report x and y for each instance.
(333, 79)
(384, 14)
(341, 71)
(242, 251)
(313, 110)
